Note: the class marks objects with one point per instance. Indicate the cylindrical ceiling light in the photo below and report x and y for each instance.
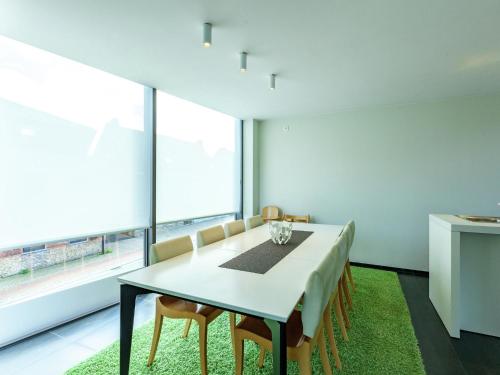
(272, 81)
(243, 62)
(207, 35)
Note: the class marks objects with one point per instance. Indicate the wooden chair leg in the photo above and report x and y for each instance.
(342, 307)
(156, 337)
(305, 361)
(239, 346)
(203, 346)
(340, 319)
(324, 356)
(187, 325)
(329, 329)
(347, 294)
(262, 357)
(349, 274)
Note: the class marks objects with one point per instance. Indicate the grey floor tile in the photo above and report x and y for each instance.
(64, 347)
(58, 362)
(102, 337)
(105, 333)
(17, 356)
(145, 310)
(75, 330)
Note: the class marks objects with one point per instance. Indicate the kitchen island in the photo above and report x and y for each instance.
(464, 274)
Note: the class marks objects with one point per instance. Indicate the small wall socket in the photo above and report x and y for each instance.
(286, 128)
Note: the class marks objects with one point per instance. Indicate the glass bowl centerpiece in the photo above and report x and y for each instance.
(280, 231)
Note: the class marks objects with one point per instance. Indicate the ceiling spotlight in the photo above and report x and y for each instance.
(207, 35)
(272, 81)
(243, 62)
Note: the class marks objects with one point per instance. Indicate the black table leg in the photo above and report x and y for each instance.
(127, 309)
(278, 330)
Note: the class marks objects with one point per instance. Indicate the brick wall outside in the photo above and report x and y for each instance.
(15, 261)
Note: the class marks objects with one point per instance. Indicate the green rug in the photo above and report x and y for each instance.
(381, 340)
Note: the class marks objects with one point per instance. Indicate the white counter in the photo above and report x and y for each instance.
(457, 224)
(464, 274)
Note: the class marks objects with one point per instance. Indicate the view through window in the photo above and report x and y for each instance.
(73, 156)
(74, 163)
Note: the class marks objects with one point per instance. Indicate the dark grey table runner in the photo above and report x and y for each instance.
(265, 256)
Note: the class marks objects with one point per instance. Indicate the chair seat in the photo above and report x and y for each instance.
(294, 335)
(186, 306)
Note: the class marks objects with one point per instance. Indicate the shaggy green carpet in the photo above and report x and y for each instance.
(381, 340)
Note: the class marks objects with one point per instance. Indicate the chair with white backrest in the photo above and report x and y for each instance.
(340, 312)
(253, 222)
(349, 233)
(210, 235)
(343, 290)
(337, 270)
(176, 308)
(234, 227)
(352, 226)
(304, 328)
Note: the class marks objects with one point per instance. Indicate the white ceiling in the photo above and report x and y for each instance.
(329, 55)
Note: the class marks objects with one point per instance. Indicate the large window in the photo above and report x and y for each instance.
(73, 149)
(73, 167)
(198, 161)
(76, 167)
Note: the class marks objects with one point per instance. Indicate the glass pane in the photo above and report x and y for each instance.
(73, 156)
(29, 272)
(72, 149)
(197, 161)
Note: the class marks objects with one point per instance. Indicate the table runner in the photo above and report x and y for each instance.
(265, 256)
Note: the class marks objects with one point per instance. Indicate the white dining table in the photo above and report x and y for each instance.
(197, 276)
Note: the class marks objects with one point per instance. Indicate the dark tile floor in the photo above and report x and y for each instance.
(471, 354)
(59, 349)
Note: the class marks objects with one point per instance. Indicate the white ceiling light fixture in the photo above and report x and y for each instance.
(272, 81)
(243, 62)
(207, 34)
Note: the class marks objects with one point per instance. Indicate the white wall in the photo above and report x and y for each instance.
(386, 168)
(250, 168)
(45, 311)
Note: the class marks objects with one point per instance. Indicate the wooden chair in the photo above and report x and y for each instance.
(336, 270)
(349, 237)
(334, 301)
(231, 229)
(210, 235)
(253, 222)
(297, 218)
(234, 227)
(176, 308)
(304, 328)
(343, 290)
(336, 273)
(271, 213)
(352, 227)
